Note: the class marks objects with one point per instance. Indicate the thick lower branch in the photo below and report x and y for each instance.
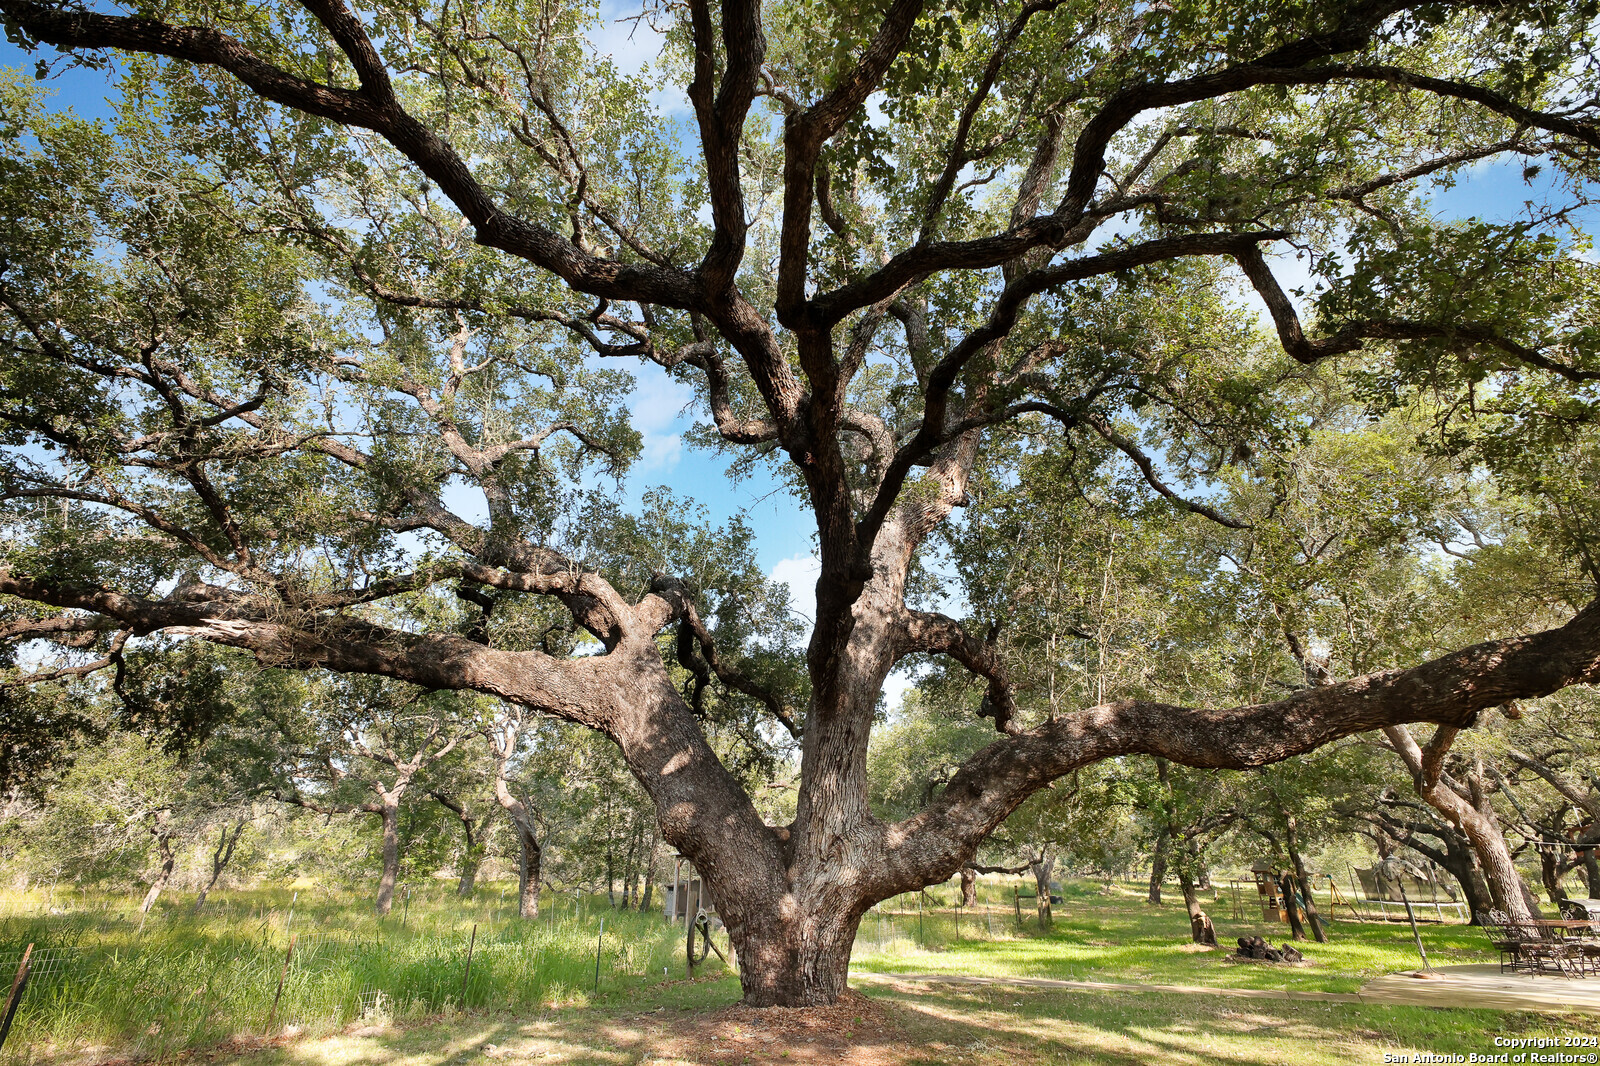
(1450, 691)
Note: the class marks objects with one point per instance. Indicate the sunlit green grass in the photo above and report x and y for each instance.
(1112, 935)
(187, 981)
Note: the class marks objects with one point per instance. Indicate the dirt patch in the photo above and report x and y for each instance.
(856, 1030)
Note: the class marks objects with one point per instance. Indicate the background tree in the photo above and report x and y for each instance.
(358, 746)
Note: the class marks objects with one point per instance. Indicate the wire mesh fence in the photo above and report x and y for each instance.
(186, 980)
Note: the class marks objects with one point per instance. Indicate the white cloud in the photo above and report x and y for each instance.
(800, 572)
(657, 413)
(895, 687)
(661, 452)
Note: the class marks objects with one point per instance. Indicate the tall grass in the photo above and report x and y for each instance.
(188, 981)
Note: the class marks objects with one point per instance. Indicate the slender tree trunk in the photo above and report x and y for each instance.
(1158, 865)
(169, 859)
(219, 860)
(389, 813)
(611, 860)
(630, 866)
(969, 887)
(1041, 878)
(1201, 930)
(1291, 844)
(1286, 889)
(530, 869)
(650, 869)
(529, 852)
(1591, 872)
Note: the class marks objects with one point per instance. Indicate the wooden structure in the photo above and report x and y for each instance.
(687, 897)
(1336, 899)
(1267, 893)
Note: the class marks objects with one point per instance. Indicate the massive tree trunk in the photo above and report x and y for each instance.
(969, 887)
(791, 895)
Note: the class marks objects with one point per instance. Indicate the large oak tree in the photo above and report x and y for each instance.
(337, 266)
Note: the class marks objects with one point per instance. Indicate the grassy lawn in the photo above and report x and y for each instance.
(1112, 935)
(681, 1023)
(360, 992)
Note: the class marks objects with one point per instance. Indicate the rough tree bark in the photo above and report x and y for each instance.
(792, 895)
(1478, 825)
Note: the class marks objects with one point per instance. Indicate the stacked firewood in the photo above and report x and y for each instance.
(1253, 947)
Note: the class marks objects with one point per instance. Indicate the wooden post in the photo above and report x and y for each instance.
(283, 975)
(19, 984)
(471, 943)
(677, 868)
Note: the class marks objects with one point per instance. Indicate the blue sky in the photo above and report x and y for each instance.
(1491, 191)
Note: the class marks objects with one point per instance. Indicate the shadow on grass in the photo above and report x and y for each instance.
(906, 1026)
